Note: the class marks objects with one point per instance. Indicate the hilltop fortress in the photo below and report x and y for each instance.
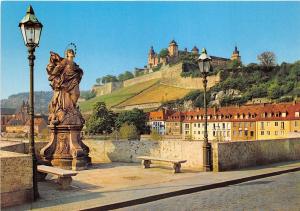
(166, 67)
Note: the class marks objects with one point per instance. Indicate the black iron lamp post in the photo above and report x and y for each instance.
(31, 30)
(204, 66)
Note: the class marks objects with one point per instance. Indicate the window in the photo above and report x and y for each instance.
(282, 133)
(276, 123)
(240, 124)
(282, 125)
(276, 133)
(228, 133)
(186, 132)
(223, 125)
(195, 125)
(268, 123)
(252, 133)
(262, 126)
(246, 132)
(214, 133)
(198, 125)
(246, 124)
(199, 132)
(297, 114)
(194, 132)
(262, 133)
(268, 133)
(296, 123)
(187, 126)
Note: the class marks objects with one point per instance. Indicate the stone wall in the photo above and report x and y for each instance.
(142, 78)
(241, 154)
(107, 88)
(127, 151)
(16, 178)
(171, 76)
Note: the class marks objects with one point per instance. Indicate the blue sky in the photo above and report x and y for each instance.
(112, 37)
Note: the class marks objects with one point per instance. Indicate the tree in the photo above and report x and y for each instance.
(109, 78)
(275, 91)
(135, 117)
(125, 76)
(267, 59)
(163, 53)
(87, 95)
(101, 121)
(234, 64)
(99, 80)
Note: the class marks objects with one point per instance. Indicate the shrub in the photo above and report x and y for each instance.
(285, 99)
(155, 136)
(128, 132)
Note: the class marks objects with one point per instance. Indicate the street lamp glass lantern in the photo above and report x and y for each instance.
(31, 28)
(204, 62)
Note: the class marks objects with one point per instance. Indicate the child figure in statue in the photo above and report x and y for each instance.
(64, 76)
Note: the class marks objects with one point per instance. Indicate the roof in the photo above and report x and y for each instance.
(13, 122)
(247, 113)
(8, 111)
(173, 42)
(235, 50)
(195, 49)
(151, 51)
(38, 120)
(219, 58)
(30, 17)
(261, 112)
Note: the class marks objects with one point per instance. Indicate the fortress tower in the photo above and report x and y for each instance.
(152, 58)
(173, 49)
(235, 55)
(195, 50)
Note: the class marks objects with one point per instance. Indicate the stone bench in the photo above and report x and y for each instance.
(146, 161)
(64, 176)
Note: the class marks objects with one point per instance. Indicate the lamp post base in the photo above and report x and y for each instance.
(206, 156)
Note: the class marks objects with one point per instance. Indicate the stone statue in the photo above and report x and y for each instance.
(64, 76)
(65, 149)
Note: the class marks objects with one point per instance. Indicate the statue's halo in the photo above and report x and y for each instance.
(71, 46)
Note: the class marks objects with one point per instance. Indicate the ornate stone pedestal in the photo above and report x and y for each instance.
(66, 149)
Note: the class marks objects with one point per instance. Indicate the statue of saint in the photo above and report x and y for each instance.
(64, 76)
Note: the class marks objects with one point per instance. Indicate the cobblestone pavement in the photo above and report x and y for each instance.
(272, 193)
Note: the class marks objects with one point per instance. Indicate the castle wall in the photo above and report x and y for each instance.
(171, 76)
(107, 88)
(143, 78)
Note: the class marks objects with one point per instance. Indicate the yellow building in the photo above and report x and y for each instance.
(277, 121)
(218, 127)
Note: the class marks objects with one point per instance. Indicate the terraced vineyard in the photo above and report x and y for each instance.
(156, 94)
(118, 96)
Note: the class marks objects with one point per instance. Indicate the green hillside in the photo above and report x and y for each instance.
(117, 96)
